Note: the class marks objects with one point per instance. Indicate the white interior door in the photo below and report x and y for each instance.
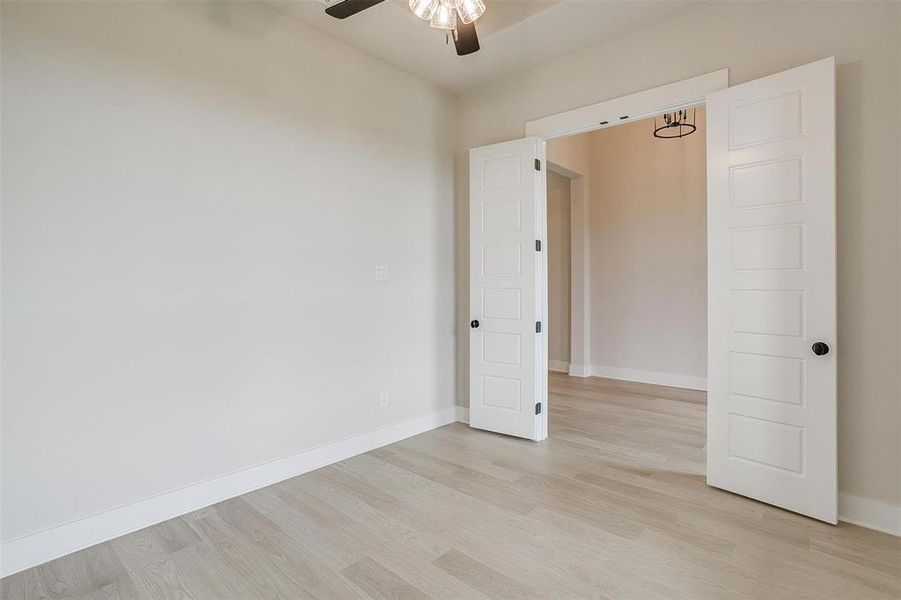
(771, 290)
(508, 295)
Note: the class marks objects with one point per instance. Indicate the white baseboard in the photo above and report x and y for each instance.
(462, 414)
(690, 382)
(37, 548)
(579, 371)
(560, 366)
(871, 514)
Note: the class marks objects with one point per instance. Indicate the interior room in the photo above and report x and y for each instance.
(638, 190)
(405, 298)
(646, 197)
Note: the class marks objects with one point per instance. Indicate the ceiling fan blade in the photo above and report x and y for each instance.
(466, 40)
(348, 8)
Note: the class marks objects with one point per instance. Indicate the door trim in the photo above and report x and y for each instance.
(580, 276)
(609, 113)
(631, 107)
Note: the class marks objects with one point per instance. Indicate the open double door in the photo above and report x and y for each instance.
(771, 289)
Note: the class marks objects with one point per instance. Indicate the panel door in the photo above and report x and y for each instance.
(508, 298)
(772, 290)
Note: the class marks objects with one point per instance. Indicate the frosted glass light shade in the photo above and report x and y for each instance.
(470, 10)
(424, 9)
(445, 17)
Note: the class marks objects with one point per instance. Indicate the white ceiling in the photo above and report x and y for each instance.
(514, 34)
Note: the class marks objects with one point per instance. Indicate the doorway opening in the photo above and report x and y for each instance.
(627, 291)
(627, 254)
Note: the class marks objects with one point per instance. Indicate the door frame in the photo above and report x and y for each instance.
(579, 315)
(632, 107)
(601, 115)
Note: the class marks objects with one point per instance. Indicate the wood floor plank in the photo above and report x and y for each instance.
(393, 522)
(120, 589)
(251, 566)
(613, 505)
(81, 573)
(481, 577)
(288, 553)
(204, 578)
(489, 489)
(879, 554)
(25, 584)
(380, 583)
(174, 535)
(149, 567)
(336, 542)
(512, 543)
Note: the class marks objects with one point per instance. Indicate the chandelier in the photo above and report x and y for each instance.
(675, 124)
(442, 14)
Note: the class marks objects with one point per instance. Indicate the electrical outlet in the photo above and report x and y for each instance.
(381, 272)
(384, 398)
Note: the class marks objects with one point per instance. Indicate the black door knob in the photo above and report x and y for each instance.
(820, 348)
(474, 323)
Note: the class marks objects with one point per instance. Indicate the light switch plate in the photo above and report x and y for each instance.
(381, 272)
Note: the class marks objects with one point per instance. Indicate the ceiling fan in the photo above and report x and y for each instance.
(456, 16)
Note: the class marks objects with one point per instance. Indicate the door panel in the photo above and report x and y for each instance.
(508, 358)
(771, 261)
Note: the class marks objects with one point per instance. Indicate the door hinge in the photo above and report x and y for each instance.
(537, 165)
(537, 326)
(537, 245)
(538, 408)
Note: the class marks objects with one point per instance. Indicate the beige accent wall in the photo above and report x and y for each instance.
(649, 250)
(754, 39)
(898, 299)
(570, 155)
(559, 265)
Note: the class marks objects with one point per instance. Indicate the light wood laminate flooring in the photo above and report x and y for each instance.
(613, 505)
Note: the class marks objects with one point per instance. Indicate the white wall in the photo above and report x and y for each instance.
(194, 199)
(754, 39)
(558, 269)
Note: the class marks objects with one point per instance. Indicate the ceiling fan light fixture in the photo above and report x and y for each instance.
(424, 9)
(444, 17)
(470, 10)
